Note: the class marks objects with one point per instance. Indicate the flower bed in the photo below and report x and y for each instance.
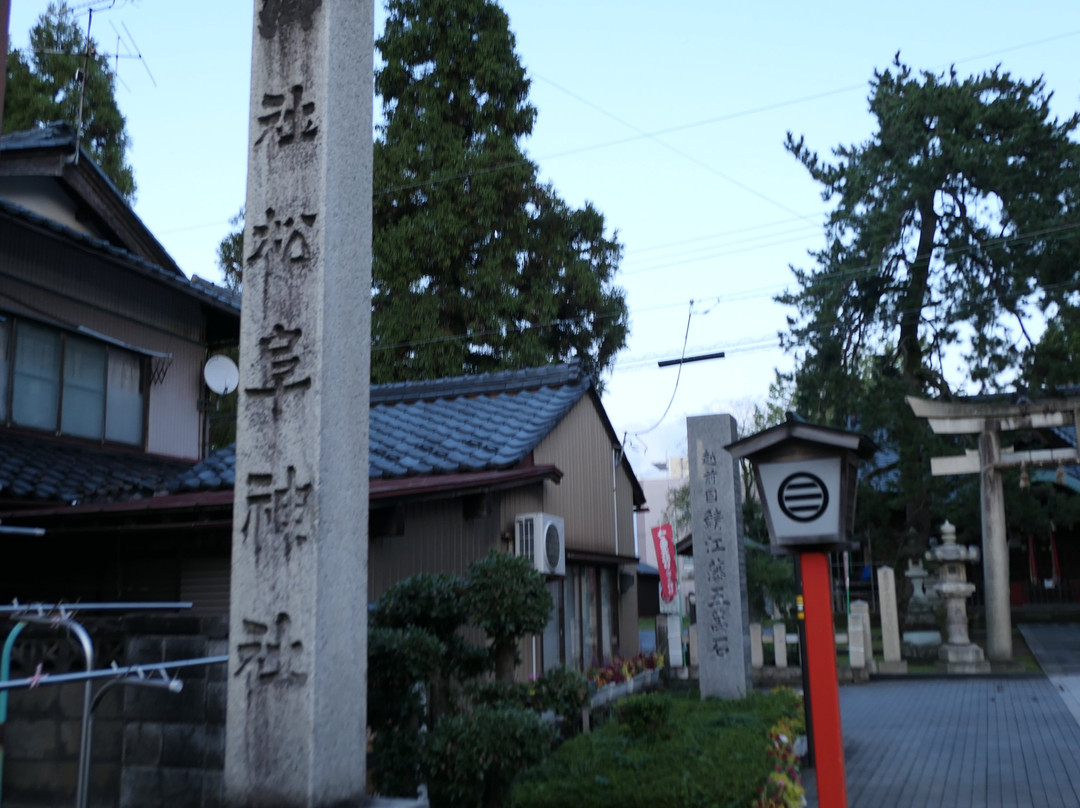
(624, 677)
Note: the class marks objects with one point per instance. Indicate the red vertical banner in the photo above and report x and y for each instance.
(664, 542)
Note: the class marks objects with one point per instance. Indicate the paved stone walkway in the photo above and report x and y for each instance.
(970, 742)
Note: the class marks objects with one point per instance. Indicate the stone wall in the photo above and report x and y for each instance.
(150, 747)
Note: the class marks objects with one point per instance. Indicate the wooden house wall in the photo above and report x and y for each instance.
(44, 196)
(436, 537)
(61, 282)
(599, 510)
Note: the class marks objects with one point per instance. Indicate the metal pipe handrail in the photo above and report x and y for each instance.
(106, 673)
(138, 606)
(61, 620)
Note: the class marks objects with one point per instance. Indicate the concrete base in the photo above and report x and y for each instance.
(962, 659)
(420, 801)
(921, 646)
(891, 668)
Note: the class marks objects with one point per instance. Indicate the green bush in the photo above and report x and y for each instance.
(508, 599)
(565, 692)
(399, 660)
(422, 671)
(494, 693)
(471, 758)
(717, 754)
(645, 715)
(434, 602)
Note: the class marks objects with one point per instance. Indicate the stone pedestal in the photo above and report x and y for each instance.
(779, 638)
(757, 650)
(958, 654)
(674, 650)
(890, 624)
(862, 608)
(856, 641)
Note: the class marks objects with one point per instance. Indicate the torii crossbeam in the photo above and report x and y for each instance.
(988, 420)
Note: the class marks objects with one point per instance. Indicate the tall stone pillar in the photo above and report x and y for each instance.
(719, 558)
(295, 726)
(995, 549)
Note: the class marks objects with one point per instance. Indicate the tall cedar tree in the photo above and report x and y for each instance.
(954, 227)
(477, 266)
(42, 88)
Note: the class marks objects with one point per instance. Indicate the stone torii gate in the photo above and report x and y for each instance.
(988, 420)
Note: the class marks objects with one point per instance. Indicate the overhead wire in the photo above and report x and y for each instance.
(675, 390)
(837, 279)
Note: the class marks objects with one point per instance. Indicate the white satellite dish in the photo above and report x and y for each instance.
(221, 374)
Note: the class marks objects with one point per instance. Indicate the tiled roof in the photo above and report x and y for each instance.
(481, 422)
(446, 426)
(48, 136)
(52, 471)
(489, 422)
(204, 291)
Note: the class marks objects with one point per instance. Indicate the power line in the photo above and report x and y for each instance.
(655, 138)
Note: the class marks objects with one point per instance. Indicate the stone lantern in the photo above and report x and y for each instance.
(959, 654)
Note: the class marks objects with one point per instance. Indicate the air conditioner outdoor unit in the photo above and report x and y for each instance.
(541, 538)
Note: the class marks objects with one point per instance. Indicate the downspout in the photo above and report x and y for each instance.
(616, 460)
(615, 495)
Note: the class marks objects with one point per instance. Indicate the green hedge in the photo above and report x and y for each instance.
(712, 753)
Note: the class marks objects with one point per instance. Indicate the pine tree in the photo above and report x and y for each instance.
(43, 86)
(477, 265)
(955, 229)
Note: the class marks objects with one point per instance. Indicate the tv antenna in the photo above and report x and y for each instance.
(131, 49)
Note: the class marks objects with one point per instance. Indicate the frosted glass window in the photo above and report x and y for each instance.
(36, 381)
(63, 383)
(84, 389)
(552, 655)
(571, 592)
(588, 618)
(124, 410)
(606, 627)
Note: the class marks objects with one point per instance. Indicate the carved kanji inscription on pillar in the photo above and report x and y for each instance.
(278, 512)
(276, 14)
(282, 237)
(287, 117)
(282, 366)
(271, 654)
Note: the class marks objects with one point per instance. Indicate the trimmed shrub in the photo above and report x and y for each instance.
(472, 758)
(645, 715)
(508, 599)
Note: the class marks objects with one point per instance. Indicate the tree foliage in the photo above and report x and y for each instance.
(478, 265)
(230, 254)
(43, 86)
(953, 232)
(423, 670)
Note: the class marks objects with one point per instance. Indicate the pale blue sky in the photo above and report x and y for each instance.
(712, 208)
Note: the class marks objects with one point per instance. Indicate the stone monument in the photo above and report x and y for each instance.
(959, 654)
(295, 725)
(719, 558)
(890, 623)
(862, 609)
(921, 636)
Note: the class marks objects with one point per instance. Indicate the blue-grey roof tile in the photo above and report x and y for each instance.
(55, 471)
(486, 422)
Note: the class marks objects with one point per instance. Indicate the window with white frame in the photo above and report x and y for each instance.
(66, 384)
